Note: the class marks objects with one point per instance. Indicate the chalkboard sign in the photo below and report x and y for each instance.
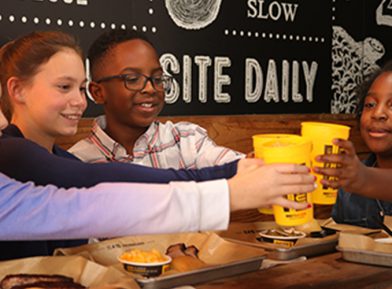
(227, 57)
(248, 56)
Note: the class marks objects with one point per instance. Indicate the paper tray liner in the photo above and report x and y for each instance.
(248, 233)
(223, 258)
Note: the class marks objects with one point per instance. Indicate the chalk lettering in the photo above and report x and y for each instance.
(296, 96)
(291, 81)
(254, 81)
(221, 79)
(275, 10)
(285, 80)
(271, 84)
(203, 62)
(310, 76)
(170, 63)
(187, 79)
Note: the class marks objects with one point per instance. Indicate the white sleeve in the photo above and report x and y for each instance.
(29, 212)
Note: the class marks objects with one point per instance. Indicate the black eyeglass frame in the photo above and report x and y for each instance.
(164, 77)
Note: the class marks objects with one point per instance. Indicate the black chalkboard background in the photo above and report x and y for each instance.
(242, 31)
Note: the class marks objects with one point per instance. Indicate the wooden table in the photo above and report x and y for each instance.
(327, 271)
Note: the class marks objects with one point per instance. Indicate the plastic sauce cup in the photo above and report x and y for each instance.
(321, 135)
(286, 241)
(147, 269)
(290, 150)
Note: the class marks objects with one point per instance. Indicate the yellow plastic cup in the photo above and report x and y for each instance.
(258, 141)
(321, 135)
(290, 150)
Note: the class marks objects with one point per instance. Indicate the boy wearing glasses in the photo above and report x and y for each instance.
(128, 80)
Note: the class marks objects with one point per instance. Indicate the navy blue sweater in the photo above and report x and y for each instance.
(24, 160)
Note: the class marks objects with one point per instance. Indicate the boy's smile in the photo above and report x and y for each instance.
(125, 107)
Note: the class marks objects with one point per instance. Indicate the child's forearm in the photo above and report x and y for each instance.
(377, 183)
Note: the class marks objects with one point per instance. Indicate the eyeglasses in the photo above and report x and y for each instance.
(138, 81)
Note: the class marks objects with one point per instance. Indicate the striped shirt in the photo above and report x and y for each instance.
(181, 145)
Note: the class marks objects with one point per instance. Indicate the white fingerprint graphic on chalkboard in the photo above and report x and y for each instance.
(193, 14)
(351, 62)
(384, 13)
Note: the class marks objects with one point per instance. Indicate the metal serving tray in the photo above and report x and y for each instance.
(249, 234)
(319, 247)
(202, 275)
(366, 256)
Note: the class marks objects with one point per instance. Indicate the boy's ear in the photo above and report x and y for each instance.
(15, 89)
(96, 92)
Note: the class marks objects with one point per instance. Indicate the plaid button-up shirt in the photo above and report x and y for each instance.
(163, 145)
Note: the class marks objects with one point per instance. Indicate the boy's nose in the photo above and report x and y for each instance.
(148, 86)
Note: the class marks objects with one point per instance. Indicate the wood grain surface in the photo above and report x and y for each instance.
(322, 272)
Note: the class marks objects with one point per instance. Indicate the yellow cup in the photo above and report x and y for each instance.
(290, 150)
(258, 141)
(321, 135)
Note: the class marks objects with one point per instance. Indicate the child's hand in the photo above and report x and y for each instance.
(349, 172)
(262, 186)
(248, 163)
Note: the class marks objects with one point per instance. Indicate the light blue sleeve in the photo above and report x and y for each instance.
(29, 212)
